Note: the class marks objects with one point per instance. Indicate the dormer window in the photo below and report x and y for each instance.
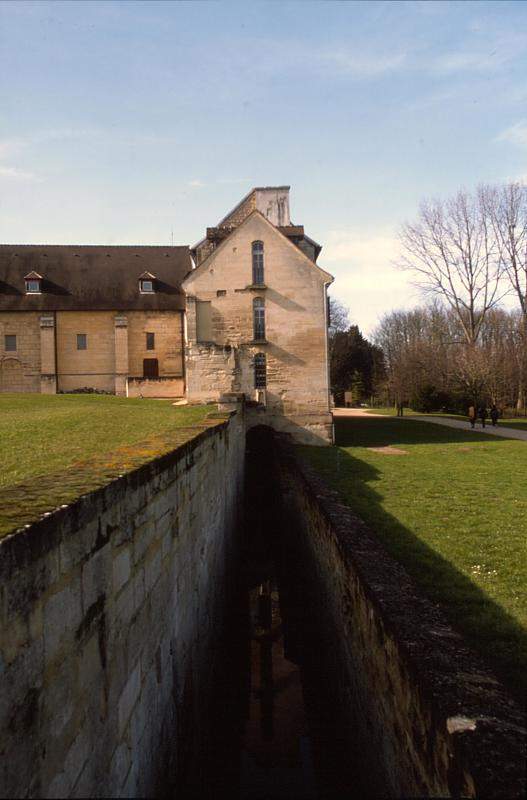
(33, 283)
(147, 283)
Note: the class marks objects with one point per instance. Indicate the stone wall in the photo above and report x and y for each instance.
(155, 387)
(20, 369)
(93, 367)
(110, 612)
(414, 711)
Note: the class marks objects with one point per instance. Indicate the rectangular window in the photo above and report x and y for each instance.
(33, 287)
(82, 341)
(150, 368)
(203, 321)
(260, 371)
(147, 287)
(150, 341)
(10, 343)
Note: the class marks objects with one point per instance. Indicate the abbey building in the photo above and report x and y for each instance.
(244, 312)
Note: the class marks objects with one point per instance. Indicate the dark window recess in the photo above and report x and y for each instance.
(150, 341)
(260, 371)
(82, 341)
(221, 293)
(10, 343)
(150, 368)
(258, 262)
(259, 318)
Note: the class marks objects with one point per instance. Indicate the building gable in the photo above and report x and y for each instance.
(262, 227)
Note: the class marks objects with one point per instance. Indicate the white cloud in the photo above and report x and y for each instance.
(366, 279)
(516, 134)
(17, 174)
(196, 184)
(362, 65)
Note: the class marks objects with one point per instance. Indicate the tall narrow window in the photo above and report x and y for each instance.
(260, 371)
(258, 263)
(150, 341)
(259, 319)
(82, 341)
(10, 343)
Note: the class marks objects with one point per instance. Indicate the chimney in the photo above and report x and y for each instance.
(273, 203)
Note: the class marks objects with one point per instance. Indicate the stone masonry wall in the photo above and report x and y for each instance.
(415, 711)
(20, 370)
(110, 612)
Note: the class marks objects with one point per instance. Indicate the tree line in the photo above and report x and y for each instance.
(467, 254)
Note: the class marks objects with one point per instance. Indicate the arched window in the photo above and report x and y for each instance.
(260, 371)
(258, 263)
(259, 319)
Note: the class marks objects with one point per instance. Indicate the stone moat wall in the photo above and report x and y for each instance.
(415, 712)
(110, 613)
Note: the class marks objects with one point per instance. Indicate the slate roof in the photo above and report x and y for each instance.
(92, 277)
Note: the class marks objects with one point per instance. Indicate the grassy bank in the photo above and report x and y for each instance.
(54, 448)
(452, 507)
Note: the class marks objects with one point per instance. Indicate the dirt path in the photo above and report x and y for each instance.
(505, 433)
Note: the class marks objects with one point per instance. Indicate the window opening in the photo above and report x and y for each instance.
(259, 318)
(260, 371)
(82, 341)
(150, 341)
(258, 263)
(10, 343)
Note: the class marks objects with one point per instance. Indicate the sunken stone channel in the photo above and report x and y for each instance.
(216, 623)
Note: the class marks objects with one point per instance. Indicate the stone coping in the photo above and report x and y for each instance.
(488, 730)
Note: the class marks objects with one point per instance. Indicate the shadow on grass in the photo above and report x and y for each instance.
(491, 630)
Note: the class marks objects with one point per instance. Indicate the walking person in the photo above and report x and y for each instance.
(483, 415)
(472, 416)
(494, 414)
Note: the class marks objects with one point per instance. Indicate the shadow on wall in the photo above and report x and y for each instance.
(499, 638)
(271, 295)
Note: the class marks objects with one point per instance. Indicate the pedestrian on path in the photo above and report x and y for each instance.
(482, 415)
(472, 416)
(494, 414)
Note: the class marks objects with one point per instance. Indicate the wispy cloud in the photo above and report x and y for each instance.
(17, 174)
(363, 65)
(515, 134)
(196, 184)
(485, 51)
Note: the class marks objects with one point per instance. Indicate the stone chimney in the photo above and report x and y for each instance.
(273, 203)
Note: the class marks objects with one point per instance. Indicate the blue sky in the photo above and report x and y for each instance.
(124, 122)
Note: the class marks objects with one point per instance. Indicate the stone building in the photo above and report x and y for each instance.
(104, 318)
(249, 317)
(257, 317)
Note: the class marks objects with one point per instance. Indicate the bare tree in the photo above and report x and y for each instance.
(506, 207)
(338, 321)
(453, 251)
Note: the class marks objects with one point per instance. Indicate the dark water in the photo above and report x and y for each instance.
(275, 730)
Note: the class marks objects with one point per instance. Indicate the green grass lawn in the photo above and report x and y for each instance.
(55, 447)
(453, 509)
